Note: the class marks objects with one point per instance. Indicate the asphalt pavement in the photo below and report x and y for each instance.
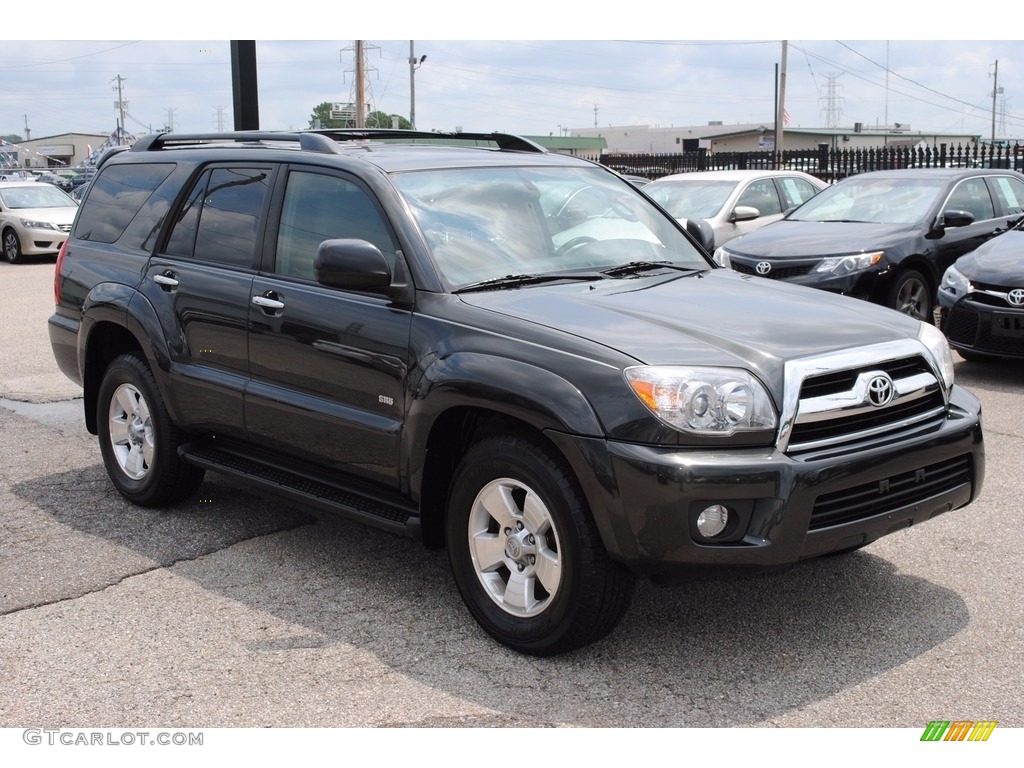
(243, 610)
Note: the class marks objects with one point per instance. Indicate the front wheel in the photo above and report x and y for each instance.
(525, 553)
(912, 296)
(138, 440)
(12, 246)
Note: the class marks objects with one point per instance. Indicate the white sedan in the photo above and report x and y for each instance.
(733, 202)
(35, 219)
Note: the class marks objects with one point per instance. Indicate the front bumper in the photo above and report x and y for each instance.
(976, 326)
(646, 499)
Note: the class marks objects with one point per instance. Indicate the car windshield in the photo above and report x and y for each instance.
(39, 195)
(886, 200)
(691, 199)
(487, 223)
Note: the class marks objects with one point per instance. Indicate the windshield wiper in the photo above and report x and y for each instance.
(634, 267)
(514, 281)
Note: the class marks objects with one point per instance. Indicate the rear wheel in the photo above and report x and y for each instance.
(138, 441)
(525, 553)
(911, 295)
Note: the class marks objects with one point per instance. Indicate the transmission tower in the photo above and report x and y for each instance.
(832, 110)
(360, 93)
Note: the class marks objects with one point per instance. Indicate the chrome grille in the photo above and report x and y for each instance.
(830, 409)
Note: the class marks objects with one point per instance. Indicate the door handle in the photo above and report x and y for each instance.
(166, 280)
(265, 302)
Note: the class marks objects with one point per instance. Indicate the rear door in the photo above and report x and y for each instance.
(200, 281)
(327, 366)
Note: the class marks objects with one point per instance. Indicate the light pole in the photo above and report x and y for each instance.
(414, 64)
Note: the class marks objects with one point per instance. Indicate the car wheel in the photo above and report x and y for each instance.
(525, 553)
(12, 246)
(912, 296)
(138, 441)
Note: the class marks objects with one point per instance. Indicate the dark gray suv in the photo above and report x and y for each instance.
(509, 353)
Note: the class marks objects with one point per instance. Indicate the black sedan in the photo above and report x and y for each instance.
(981, 300)
(886, 236)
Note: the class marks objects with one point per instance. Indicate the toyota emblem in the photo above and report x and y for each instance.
(763, 267)
(880, 390)
(1015, 297)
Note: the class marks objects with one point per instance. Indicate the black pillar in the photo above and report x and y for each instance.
(243, 85)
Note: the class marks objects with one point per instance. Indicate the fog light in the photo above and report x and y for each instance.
(712, 521)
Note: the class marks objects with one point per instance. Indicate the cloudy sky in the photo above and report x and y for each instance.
(576, 76)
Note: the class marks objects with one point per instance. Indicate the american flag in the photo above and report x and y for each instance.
(785, 116)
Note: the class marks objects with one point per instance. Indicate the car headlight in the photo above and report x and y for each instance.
(846, 265)
(703, 401)
(722, 257)
(954, 282)
(938, 348)
(33, 224)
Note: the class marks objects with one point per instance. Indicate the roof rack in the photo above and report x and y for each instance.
(324, 141)
(504, 141)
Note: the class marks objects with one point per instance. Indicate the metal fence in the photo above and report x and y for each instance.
(826, 163)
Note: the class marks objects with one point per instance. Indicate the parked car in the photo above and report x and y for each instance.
(885, 236)
(508, 352)
(63, 183)
(35, 219)
(981, 299)
(733, 202)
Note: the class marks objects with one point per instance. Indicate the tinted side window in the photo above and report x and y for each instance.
(220, 218)
(972, 196)
(319, 207)
(761, 195)
(115, 199)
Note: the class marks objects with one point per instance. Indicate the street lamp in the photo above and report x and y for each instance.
(414, 64)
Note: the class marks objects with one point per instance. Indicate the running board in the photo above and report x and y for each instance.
(303, 488)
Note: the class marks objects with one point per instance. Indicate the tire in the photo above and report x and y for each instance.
(525, 553)
(138, 441)
(912, 295)
(12, 247)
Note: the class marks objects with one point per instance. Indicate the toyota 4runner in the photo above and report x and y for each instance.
(506, 352)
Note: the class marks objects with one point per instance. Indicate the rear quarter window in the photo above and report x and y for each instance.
(115, 200)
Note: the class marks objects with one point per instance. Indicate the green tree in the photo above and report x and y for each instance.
(13, 138)
(322, 115)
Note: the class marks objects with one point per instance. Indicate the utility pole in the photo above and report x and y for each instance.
(995, 90)
(120, 106)
(413, 66)
(360, 85)
(779, 115)
(28, 133)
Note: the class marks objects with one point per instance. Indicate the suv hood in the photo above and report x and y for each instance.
(1000, 261)
(800, 239)
(719, 317)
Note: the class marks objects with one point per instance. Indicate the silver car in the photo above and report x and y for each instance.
(733, 202)
(35, 219)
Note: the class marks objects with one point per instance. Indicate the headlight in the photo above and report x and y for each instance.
(33, 224)
(845, 265)
(938, 347)
(721, 257)
(703, 401)
(955, 283)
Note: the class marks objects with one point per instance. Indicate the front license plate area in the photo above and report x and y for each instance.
(1004, 324)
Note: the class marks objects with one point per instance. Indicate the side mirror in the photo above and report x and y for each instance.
(702, 232)
(956, 218)
(356, 265)
(744, 213)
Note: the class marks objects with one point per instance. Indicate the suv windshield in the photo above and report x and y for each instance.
(883, 200)
(486, 223)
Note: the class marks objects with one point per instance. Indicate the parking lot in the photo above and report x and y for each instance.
(236, 609)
